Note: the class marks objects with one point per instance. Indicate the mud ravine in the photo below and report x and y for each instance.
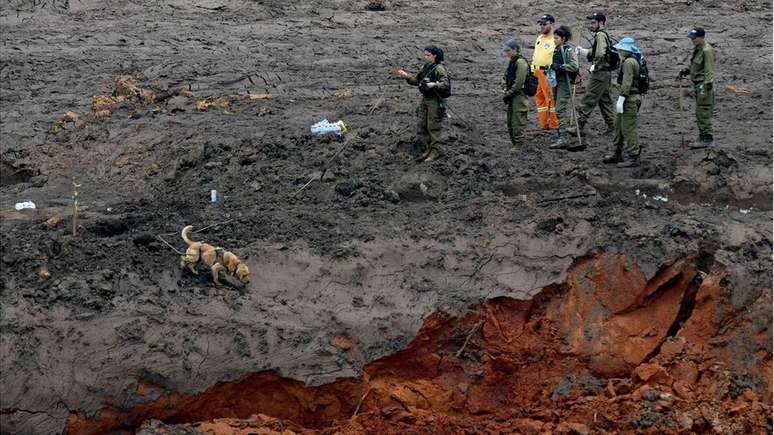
(490, 291)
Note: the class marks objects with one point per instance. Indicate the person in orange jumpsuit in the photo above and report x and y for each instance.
(542, 58)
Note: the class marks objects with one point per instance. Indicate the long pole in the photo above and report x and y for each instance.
(572, 99)
(680, 99)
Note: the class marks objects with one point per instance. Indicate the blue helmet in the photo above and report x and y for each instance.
(627, 44)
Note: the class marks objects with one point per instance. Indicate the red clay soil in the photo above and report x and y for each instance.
(609, 351)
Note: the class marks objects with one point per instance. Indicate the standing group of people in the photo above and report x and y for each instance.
(555, 68)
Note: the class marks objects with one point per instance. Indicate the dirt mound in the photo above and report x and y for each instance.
(608, 351)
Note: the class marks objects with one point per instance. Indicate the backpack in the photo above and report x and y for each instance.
(613, 59)
(643, 80)
(530, 83)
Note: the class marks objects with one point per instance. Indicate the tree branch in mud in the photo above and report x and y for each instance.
(166, 243)
(346, 143)
(360, 402)
(75, 207)
(467, 339)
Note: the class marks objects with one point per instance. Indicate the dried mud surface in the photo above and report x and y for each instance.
(487, 291)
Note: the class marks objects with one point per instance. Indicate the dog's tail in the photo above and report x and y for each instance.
(185, 233)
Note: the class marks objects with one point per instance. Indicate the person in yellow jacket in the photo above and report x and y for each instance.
(542, 58)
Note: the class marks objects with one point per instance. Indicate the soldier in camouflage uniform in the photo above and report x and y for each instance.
(432, 79)
(565, 66)
(513, 91)
(702, 74)
(598, 86)
(628, 105)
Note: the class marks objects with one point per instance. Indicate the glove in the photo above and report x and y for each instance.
(507, 98)
(557, 66)
(580, 51)
(619, 104)
(684, 72)
(592, 68)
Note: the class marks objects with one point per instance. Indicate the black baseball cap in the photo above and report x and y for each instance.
(696, 32)
(546, 18)
(597, 16)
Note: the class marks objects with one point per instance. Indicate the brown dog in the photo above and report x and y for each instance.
(198, 251)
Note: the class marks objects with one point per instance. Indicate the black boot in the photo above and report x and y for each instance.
(561, 142)
(629, 162)
(616, 157)
(701, 142)
(573, 130)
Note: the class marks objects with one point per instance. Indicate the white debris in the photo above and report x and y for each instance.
(745, 210)
(661, 198)
(326, 126)
(25, 204)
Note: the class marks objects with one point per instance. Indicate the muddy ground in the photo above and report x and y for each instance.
(172, 99)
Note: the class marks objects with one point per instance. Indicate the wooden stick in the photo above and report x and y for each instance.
(346, 144)
(470, 334)
(213, 225)
(360, 402)
(304, 186)
(75, 206)
(165, 242)
(572, 100)
(325, 166)
(680, 99)
(378, 101)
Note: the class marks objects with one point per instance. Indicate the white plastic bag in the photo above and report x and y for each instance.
(25, 204)
(325, 126)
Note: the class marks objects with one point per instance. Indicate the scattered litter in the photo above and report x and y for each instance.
(661, 198)
(745, 210)
(638, 194)
(253, 97)
(50, 223)
(738, 90)
(201, 105)
(324, 127)
(342, 93)
(221, 102)
(26, 204)
(213, 195)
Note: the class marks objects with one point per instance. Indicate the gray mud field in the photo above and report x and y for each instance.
(376, 246)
